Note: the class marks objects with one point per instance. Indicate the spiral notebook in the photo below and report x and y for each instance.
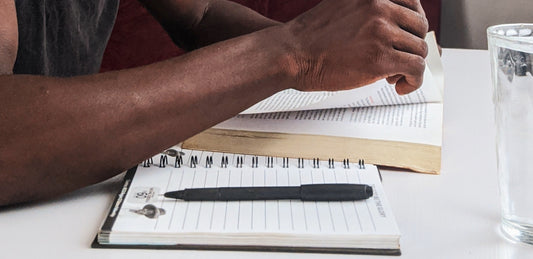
(141, 217)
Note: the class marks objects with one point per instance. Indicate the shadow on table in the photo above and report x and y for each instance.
(106, 187)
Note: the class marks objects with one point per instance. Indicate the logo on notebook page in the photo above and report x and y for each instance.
(144, 195)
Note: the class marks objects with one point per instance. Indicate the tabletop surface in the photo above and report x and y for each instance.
(452, 215)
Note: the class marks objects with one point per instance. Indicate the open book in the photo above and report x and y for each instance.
(371, 122)
(141, 217)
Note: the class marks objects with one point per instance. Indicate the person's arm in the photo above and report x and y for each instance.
(196, 23)
(204, 22)
(59, 134)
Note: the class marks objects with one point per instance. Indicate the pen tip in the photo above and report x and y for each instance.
(174, 195)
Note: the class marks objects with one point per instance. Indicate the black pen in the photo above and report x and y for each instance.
(309, 192)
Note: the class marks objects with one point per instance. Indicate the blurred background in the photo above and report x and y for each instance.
(138, 39)
(464, 22)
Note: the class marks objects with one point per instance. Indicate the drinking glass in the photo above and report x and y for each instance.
(511, 52)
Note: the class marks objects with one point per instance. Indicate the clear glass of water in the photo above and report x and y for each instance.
(511, 52)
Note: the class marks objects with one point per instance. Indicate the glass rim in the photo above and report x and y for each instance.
(492, 32)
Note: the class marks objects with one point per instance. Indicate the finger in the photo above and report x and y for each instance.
(407, 42)
(403, 87)
(411, 21)
(414, 5)
(411, 67)
(393, 79)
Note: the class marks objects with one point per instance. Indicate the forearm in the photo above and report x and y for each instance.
(203, 22)
(78, 131)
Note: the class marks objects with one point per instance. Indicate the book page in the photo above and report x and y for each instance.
(376, 94)
(252, 219)
(415, 123)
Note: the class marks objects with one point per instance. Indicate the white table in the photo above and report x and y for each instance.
(453, 215)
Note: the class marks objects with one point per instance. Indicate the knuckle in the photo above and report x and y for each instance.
(424, 49)
(424, 23)
(418, 65)
(415, 5)
(377, 8)
(380, 26)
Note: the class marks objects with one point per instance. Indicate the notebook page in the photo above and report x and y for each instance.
(371, 216)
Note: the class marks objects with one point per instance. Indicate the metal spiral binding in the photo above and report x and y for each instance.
(346, 163)
(255, 162)
(178, 157)
(316, 163)
(285, 162)
(224, 162)
(163, 161)
(148, 162)
(361, 164)
(194, 161)
(178, 161)
(331, 163)
(240, 161)
(300, 163)
(208, 162)
(270, 162)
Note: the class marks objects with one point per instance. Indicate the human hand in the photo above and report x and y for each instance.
(344, 44)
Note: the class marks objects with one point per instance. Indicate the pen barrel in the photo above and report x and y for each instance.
(310, 192)
(335, 192)
(241, 193)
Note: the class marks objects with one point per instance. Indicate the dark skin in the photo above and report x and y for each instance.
(60, 134)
